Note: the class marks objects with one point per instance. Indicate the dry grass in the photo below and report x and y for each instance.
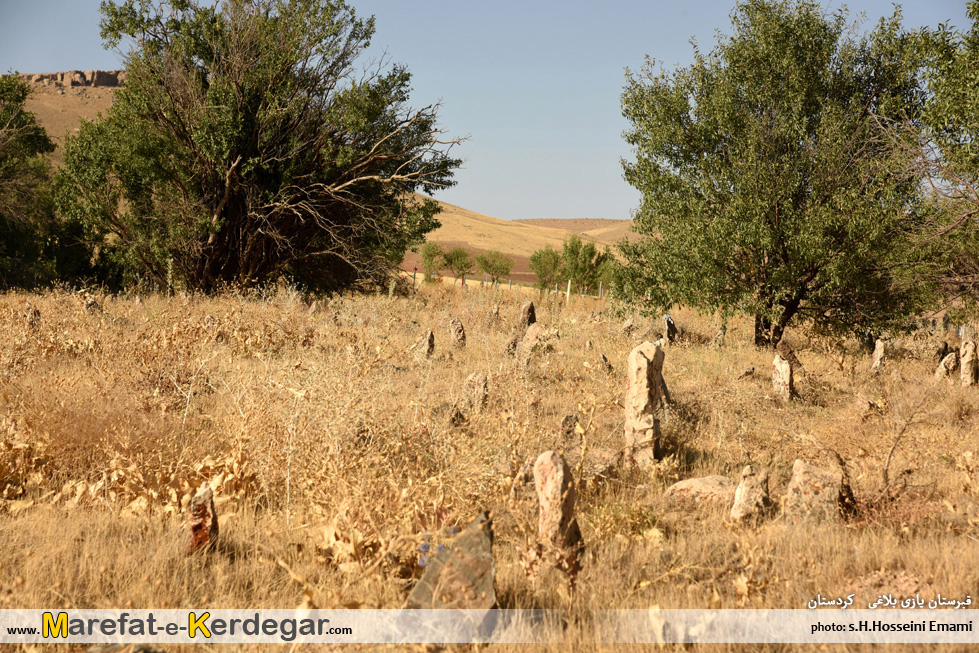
(333, 457)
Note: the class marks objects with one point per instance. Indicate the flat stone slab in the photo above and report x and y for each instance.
(707, 490)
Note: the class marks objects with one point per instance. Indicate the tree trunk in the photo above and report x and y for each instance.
(763, 331)
(789, 309)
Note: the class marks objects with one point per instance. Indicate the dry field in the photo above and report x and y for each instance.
(333, 457)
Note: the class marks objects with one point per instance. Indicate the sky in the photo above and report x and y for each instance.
(534, 85)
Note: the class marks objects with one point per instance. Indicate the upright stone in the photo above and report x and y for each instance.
(751, 498)
(457, 334)
(557, 527)
(203, 519)
(529, 342)
(645, 369)
(969, 365)
(814, 493)
(785, 351)
(476, 391)
(880, 355)
(425, 347)
(32, 316)
(948, 366)
(493, 316)
(462, 574)
(527, 316)
(782, 379)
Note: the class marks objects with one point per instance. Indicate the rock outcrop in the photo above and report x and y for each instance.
(77, 78)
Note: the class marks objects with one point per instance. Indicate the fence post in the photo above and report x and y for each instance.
(567, 296)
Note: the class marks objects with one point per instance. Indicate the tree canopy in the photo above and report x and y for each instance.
(767, 185)
(494, 264)
(947, 156)
(251, 141)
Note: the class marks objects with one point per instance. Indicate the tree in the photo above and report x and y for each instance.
(458, 260)
(249, 142)
(582, 262)
(495, 264)
(947, 157)
(546, 264)
(767, 185)
(25, 223)
(433, 259)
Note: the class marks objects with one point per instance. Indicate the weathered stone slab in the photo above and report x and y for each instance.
(948, 366)
(557, 528)
(644, 374)
(880, 356)
(528, 315)
(476, 392)
(782, 379)
(751, 499)
(425, 347)
(786, 352)
(968, 364)
(704, 490)
(814, 493)
(457, 334)
(203, 520)
(462, 574)
(531, 341)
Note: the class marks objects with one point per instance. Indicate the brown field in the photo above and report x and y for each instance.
(332, 457)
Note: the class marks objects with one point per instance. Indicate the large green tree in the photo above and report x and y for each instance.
(546, 265)
(25, 197)
(767, 185)
(947, 156)
(582, 262)
(495, 264)
(252, 140)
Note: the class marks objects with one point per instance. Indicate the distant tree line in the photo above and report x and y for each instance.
(494, 264)
(580, 263)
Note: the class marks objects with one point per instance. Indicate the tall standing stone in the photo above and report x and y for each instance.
(782, 379)
(751, 498)
(476, 393)
(969, 365)
(425, 347)
(557, 527)
(645, 369)
(203, 519)
(457, 334)
(880, 356)
(528, 315)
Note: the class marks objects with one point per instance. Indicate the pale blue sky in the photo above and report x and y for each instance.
(534, 84)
